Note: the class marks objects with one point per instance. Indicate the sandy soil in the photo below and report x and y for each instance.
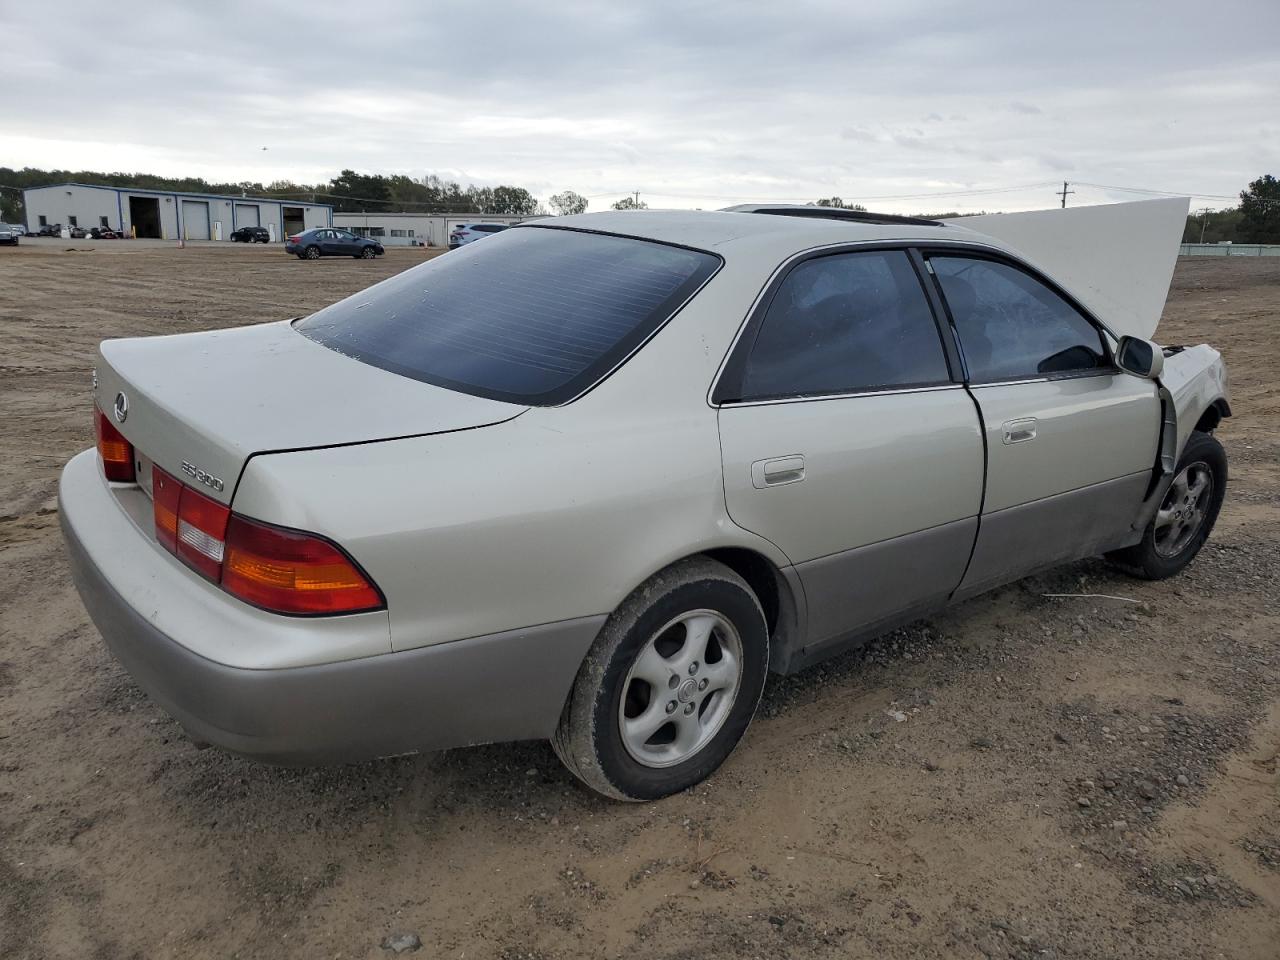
(1074, 777)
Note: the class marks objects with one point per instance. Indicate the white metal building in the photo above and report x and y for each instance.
(414, 229)
(168, 214)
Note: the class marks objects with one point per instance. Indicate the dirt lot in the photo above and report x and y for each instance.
(1074, 777)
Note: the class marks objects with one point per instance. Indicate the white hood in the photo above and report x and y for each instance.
(1117, 259)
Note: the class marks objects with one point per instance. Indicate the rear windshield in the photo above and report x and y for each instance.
(532, 316)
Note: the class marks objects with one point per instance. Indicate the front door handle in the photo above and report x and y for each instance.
(1019, 431)
(777, 471)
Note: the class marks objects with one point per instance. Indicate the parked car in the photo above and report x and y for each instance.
(50, 230)
(9, 234)
(331, 242)
(103, 233)
(599, 504)
(464, 233)
(251, 235)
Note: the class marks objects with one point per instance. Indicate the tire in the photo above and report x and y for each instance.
(311, 253)
(1185, 518)
(696, 600)
(368, 253)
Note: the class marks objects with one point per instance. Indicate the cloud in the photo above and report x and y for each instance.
(858, 133)
(693, 104)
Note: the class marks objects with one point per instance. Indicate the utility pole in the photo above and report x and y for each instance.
(637, 199)
(1063, 193)
(1204, 222)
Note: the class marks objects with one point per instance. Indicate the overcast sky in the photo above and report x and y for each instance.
(693, 104)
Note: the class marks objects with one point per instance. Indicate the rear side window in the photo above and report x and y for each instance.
(535, 316)
(843, 324)
(1011, 325)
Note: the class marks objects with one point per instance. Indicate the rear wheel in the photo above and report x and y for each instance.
(312, 253)
(669, 686)
(1186, 516)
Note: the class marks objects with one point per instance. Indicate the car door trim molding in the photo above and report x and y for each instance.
(819, 397)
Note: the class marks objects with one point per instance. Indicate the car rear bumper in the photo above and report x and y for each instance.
(507, 686)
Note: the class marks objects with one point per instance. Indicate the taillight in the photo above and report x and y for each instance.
(292, 572)
(285, 571)
(116, 452)
(189, 524)
(202, 529)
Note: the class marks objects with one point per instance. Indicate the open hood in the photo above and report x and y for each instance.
(1117, 259)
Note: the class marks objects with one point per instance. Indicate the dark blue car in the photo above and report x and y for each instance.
(331, 242)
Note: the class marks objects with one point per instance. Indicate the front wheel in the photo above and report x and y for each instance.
(368, 253)
(670, 685)
(1186, 515)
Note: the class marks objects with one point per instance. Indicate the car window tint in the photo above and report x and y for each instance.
(845, 323)
(534, 316)
(1011, 325)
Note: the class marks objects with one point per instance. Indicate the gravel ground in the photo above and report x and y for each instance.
(1018, 777)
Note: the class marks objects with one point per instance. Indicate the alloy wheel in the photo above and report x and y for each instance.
(1183, 512)
(680, 689)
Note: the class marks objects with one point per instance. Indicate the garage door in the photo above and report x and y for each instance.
(195, 220)
(247, 215)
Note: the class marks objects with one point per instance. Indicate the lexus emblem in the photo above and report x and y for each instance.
(121, 409)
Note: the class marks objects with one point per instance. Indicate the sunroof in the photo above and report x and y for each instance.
(831, 213)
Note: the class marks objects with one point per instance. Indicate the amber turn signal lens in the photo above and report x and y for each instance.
(293, 572)
(116, 452)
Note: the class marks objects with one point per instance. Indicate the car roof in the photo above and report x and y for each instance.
(759, 228)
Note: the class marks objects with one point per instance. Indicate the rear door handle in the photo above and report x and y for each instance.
(777, 471)
(1019, 431)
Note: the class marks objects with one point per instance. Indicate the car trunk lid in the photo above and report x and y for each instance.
(200, 404)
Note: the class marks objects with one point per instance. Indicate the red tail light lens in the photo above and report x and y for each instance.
(202, 529)
(116, 452)
(292, 572)
(284, 571)
(189, 524)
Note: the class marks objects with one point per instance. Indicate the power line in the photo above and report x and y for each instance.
(901, 196)
(464, 206)
(1171, 193)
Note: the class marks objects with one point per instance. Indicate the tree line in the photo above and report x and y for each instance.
(1255, 220)
(349, 192)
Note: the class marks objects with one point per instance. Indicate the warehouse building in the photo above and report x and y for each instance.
(166, 214)
(414, 229)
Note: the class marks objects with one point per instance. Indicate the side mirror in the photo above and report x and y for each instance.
(1140, 357)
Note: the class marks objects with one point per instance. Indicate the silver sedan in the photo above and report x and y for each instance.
(592, 480)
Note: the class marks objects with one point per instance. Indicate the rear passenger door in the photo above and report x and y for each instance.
(1071, 440)
(846, 441)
